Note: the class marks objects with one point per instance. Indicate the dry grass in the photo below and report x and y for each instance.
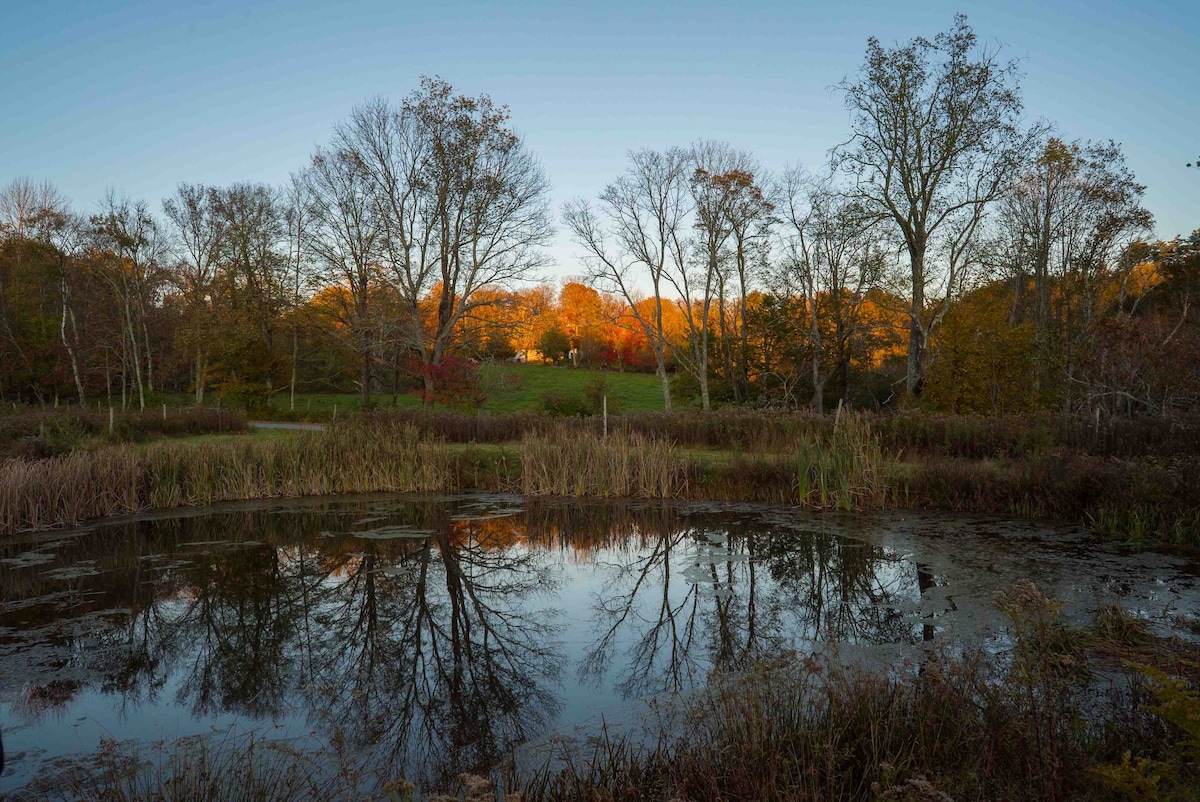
(565, 462)
(117, 480)
(843, 464)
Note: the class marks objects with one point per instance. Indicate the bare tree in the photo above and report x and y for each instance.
(462, 206)
(199, 230)
(297, 218)
(936, 136)
(1065, 224)
(751, 216)
(69, 236)
(712, 163)
(641, 237)
(135, 250)
(30, 210)
(344, 236)
(830, 257)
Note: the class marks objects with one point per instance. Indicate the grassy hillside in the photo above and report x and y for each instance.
(525, 388)
(529, 384)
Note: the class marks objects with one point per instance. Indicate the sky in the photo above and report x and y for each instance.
(138, 97)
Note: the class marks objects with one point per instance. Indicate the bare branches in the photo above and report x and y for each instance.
(459, 201)
(936, 136)
(643, 236)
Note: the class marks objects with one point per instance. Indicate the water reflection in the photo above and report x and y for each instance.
(429, 636)
(727, 592)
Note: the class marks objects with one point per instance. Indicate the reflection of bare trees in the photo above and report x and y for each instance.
(429, 652)
(437, 659)
(697, 599)
(842, 590)
(416, 633)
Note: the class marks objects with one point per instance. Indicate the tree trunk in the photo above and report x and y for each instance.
(915, 378)
(295, 358)
(427, 393)
(660, 348)
(666, 385)
(199, 377)
(66, 311)
(365, 378)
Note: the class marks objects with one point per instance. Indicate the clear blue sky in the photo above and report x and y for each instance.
(141, 96)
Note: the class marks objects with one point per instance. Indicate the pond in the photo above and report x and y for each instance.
(428, 635)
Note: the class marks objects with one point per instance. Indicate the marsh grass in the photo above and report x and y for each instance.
(1034, 724)
(844, 468)
(842, 462)
(566, 462)
(118, 480)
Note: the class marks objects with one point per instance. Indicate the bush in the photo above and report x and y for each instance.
(565, 405)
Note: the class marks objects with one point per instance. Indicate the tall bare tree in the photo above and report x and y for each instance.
(462, 206)
(751, 215)
(198, 232)
(937, 134)
(135, 249)
(344, 236)
(297, 219)
(640, 238)
(712, 163)
(831, 259)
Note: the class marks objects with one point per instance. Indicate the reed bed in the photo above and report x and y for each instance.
(118, 480)
(845, 465)
(844, 468)
(564, 462)
(910, 431)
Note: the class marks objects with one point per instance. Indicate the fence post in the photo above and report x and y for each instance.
(110, 420)
(334, 414)
(604, 404)
(164, 411)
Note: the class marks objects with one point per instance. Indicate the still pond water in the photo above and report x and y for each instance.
(433, 635)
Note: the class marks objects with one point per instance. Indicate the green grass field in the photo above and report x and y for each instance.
(529, 384)
(524, 389)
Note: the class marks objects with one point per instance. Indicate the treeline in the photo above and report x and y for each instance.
(950, 252)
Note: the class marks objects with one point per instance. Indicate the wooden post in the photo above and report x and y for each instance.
(110, 420)
(334, 414)
(164, 411)
(604, 405)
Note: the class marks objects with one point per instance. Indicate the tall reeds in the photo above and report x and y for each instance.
(844, 467)
(842, 463)
(117, 480)
(567, 462)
